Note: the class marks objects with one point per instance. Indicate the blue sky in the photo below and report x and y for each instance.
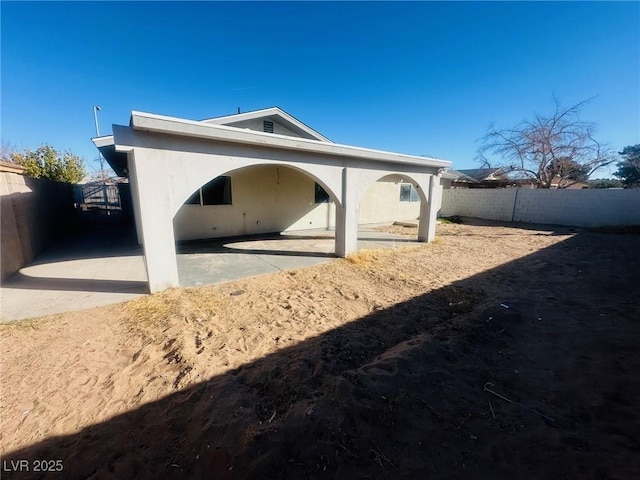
(419, 78)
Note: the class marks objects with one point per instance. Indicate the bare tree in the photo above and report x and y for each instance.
(560, 146)
(6, 151)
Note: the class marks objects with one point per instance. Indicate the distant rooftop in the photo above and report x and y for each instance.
(480, 174)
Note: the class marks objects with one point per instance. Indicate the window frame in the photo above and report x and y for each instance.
(212, 199)
(413, 195)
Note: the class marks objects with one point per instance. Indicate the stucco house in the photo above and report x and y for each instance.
(258, 172)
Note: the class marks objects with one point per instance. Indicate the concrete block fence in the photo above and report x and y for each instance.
(35, 212)
(583, 208)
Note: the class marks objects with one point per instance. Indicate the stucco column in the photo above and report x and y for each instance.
(347, 215)
(429, 211)
(133, 186)
(156, 221)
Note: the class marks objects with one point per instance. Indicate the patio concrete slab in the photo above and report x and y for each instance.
(215, 261)
(97, 267)
(105, 266)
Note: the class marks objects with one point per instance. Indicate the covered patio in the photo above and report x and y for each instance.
(167, 159)
(104, 265)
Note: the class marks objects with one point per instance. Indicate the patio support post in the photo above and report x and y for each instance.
(429, 211)
(156, 220)
(347, 215)
(133, 185)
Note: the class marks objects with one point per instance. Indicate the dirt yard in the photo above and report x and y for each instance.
(496, 352)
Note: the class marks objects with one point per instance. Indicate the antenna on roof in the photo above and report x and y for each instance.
(238, 109)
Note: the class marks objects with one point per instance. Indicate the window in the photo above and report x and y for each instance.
(267, 126)
(217, 192)
(408, 193)
(194, 199)
(321, 195)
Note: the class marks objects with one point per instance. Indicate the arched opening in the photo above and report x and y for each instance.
(266, 198)
(278, 214)
(389, 211)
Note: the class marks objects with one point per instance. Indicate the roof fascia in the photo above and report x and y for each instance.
(103, 141)
(239, 117)
(177, 126)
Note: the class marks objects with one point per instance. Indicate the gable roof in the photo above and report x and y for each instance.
(480, 174)
(458, 176)
(11, 167)
(275, 114)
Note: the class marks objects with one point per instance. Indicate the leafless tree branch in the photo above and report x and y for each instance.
(560, 147)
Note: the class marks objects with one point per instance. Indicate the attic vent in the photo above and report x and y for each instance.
(267, 126)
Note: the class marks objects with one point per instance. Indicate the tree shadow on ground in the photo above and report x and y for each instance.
(455, 383)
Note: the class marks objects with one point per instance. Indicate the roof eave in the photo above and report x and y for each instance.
(176, 126)
(117, 160)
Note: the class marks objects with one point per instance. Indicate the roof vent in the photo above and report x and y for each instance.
(267, 126)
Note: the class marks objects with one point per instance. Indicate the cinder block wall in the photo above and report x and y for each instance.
(492, 204)
(35, 213)
(583, 208)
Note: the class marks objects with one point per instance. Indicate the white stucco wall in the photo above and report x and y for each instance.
(381, 203)
(275, 199)
(264, 199)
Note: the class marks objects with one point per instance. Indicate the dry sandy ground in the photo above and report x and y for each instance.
(495, 352)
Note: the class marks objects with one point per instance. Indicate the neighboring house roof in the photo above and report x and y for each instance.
(558, 182)
(11, 167)
(274, 114)
(458, 176)
(481, 174)
(115, 152)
